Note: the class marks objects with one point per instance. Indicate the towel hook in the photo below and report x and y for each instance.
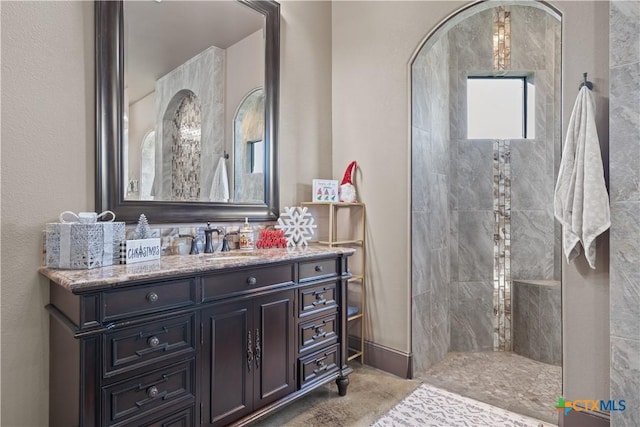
(225, 155)
(586, 83)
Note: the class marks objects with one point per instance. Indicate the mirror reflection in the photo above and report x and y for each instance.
(248, 144)
(194, 112)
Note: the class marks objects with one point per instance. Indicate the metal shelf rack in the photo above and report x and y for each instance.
(343, 224)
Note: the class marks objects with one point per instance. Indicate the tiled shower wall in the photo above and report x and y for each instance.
(429, 209)
(453, 183)
(624, 167)
(204, 76)
(535, 47)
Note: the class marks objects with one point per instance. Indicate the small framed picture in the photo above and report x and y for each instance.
(325, 190)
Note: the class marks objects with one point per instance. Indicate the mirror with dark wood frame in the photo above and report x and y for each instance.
(112, 174)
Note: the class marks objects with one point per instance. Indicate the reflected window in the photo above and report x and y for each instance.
(255, 156)
(500, 108)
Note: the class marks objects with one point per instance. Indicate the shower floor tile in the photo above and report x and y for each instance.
(502, 379)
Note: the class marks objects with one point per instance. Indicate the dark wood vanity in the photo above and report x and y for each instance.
(196, 340)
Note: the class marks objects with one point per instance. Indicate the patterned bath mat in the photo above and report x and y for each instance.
(434, 407)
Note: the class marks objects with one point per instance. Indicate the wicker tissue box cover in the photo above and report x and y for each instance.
(83, 246)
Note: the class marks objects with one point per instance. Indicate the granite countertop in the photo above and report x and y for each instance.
(84, 280)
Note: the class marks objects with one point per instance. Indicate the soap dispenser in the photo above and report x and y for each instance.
(246, 237)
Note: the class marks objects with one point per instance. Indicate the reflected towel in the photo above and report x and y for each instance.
(581, 202)
(220, 184)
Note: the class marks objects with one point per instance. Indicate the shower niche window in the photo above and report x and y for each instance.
(500, 108)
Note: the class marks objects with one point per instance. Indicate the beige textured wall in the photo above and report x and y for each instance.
(305, 98)
(47, 167)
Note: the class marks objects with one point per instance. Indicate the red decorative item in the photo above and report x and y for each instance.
(347, 189)
(271, 239)
(347, 178)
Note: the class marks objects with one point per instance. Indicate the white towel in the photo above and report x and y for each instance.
(581, 202)
(220, 184)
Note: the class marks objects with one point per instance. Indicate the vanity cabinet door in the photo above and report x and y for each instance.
(248, 354)
(274, 348)
(227, 363)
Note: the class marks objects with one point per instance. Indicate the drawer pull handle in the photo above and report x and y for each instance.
(321, 366)
(251, 281)
(319, 334)
(153, 341)
(152, 392)
(152, 297)
(320, 299)
(318, 268)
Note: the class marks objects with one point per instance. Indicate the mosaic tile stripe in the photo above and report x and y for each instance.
(502, 245)
(501, 38)
(496, 245)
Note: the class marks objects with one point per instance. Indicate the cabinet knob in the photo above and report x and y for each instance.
(319, 268)
(152, 297)
(251, 281)
(153, 341)
(152, 392)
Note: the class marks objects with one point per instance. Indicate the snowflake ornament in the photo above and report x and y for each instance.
(297, 224)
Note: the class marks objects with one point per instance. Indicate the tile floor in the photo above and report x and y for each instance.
(503, 379)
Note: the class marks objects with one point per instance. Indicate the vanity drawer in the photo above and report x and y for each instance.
(318, 332)
(132, 348)
(184, 418)
(317, 299)
(143, 299)
(318, 269)
(157, 391)
(242, 281)
(316, 366)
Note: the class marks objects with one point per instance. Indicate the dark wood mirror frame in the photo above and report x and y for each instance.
(109, 46)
